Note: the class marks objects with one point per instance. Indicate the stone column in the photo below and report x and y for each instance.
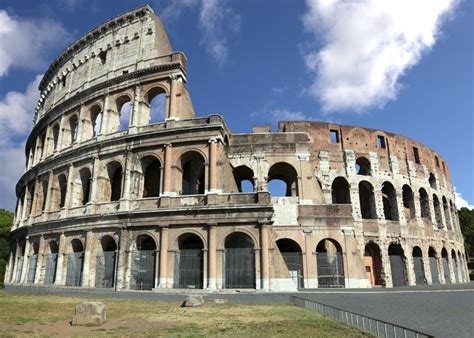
(451, 269)
(69, 189)
(49, 195)
(410, 266)
(39, 262)
(212, 165)
(60, 262)
(164, 257)
(26, 256)
(26, 198)
(172, 114)
(167, 188)
(122, 259)
(15, 263)
(94, 182)
(87, 258)
(265, 271)
(427, 267)
(8, 269)
(127, 181)
(212, 259)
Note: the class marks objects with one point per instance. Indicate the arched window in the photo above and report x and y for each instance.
(389, 198)
(362, 166)
(329, 264)
(424, 204)
(151, 168)
(192, 166)
(96, 120)
(454, 261)
(447, 215)
(283, 180)
(50, 263)
(340, 191)
(55, 136)
(408, 202)
(85, 175)
(62, 183)
(445, 263)
(190, 272)
(367, 200)
(292, 256)
(397, 265)
(32, 262)
(124, 108)
(115, 177)
(432, 256)
(244, 178)
(73, 125)
(432, 181)
(105, 263)
(373, 264)
(158, 104)
(143, 264)
(437, 211)
(418, 266)
(75, 263)
(239, 262)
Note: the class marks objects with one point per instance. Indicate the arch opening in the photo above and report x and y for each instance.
(292, 256)
(151, 168)
(454, 261)
(85, 177)
(432, 256)
(340, 191)
(408, 202)
(105, 263)
(367, 200)
(32, 262)
(143, 264)
(124, 109)
(362, 166)
(283, 180)
(424, 204)
(62, 183)
(445, 263)
(158, 104)
(432, 181)
(50, 263)
(330, 264)
(75, 263)
(397, 265)
(96, 120)
(193, 179)
(190, 262)
(389, 198)
(244, 178)
(239, 262)
(420, 278)
(447, 215)
(373, 264)
(437, 211)
(115, 178)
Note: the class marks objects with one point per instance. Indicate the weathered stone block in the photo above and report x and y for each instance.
(90, 313)
(193, 301)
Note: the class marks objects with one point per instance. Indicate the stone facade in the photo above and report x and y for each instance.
(116, 195)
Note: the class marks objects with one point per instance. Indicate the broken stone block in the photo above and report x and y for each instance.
(193, 301)
(89, 313)
(221, 301)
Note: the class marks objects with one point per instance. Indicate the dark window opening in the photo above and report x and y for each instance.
(362, 166)
(334, 136)
(437, 210)
(115, 177)
(193, 181)
(85, 175)
(416, 155)
(437, 161)
(55, 136)
(432, 181)
(340, 191)
(62, 181)
(152, 179)
(244, 178)
(63, 82)
(424, 204)
(381, 142)
(408, 202)
(389, 198)
(103, 57)
(282, 180)
(367, 200)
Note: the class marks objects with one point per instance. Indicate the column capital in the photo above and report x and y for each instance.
(166, 145)
(215, 139)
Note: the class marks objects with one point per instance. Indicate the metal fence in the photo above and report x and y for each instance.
(373, 326)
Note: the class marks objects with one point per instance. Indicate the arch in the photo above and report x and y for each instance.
(75, 263)
(340, 191)
(417, 255)
(244, 178)
(124, 109)
(32, 262)
(455, 264)
(239, 262)
(373, 264)
(408, 201)
(73, 127)
(445, 263)
(447, 215)
(62, 183)
(158, 103)
(437, 211)
(453, 214)
(50, 263)
(461, 267)
(56, 130)
(115, 173)
(286, 173)
(432, 181)
(43, 195)
(151, 169)
(424, 204)
(362, 166)
(397, 265)
(190, 262)
(105, 263)
(86, 178)
(293, 258)
(192, 169)
(367, 200)
(389, 199)
(143, 263)
(96, 119)
(330, 265)
(432, 256)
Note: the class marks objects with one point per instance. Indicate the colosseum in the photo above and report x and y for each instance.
(125, 188)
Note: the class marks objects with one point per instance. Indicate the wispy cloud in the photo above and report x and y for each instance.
(275, 114)
(174, 9)
(367, 45)
(461, 202)
(25, 43)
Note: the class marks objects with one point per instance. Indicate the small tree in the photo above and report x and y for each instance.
(466, 221)
(6, 221)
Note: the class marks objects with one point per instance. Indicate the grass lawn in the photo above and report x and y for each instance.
(40, 315)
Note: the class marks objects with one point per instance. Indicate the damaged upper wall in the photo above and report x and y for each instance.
(125, 44)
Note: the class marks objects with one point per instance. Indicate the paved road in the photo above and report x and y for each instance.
(443, 311)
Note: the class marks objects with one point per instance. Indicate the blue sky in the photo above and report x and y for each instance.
(401, 66)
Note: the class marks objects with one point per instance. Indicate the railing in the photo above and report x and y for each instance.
(377, 327)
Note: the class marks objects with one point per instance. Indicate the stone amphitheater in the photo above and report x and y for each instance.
(125, 188)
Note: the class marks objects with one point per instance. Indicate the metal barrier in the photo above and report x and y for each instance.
(373, 326)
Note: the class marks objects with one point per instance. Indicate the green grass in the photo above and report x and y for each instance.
(38, 315)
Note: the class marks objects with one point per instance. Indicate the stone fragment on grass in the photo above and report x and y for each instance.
(221, 301)
(193, 301)
(89, 313)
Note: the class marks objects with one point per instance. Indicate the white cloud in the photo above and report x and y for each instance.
(461, 202)
(274, 115)
(217, 21)
(175, 8)
(16, 116)
(25, 43)
(367, 45)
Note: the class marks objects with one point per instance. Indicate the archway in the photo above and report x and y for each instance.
(340, 191)
(455, 266)
(33, 260)
(461, 267)
(239, 262)
(437, 210)
(408, 202)
(151, 168)
(373, 264)
(389, 198)
(50, 263)
(282, 180)
(445, 262)
(143, 264)
(244, 178)
(157, 101)
(291, 253)
(115, 177)
(105, 263)
(330, 265)
(433, 266)
(193, 180)
(75, 263)
(367, 200)
(424, 204)
(190, 262)
(397, 265)
(362, 166)
(418, 266)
